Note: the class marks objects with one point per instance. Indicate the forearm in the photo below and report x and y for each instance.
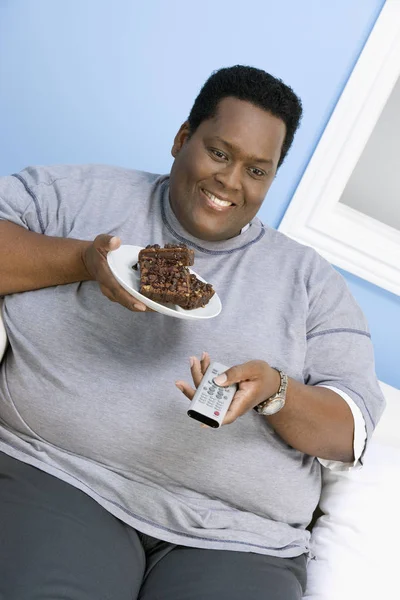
(316, 421)
(30, 261)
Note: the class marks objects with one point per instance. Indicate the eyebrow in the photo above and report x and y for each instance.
(234, 148)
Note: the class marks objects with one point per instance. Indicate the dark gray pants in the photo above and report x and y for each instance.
(56, 543)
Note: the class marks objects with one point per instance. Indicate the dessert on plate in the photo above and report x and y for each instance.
(165, 277)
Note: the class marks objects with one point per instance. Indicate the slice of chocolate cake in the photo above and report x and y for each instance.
(164, 277)
(200, 293)
(162, 281)
(163, 273)
(176, 253)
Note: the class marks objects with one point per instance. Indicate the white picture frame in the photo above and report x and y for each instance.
(346, 237)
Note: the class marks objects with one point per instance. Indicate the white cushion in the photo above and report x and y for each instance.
(3, 336)
(388, 429)
(355, 543)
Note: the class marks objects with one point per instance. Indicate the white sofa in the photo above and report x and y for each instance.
(3, 335)
(355, 542)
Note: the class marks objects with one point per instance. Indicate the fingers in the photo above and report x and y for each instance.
(116, 293)
(195, 368)
(256, 381)
(205, 362)
(109, 286)
(260, 383)
(242, 401)
(240, 405)
(199, 367)
(185, 388)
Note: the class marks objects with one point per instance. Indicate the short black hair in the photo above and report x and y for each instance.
(252, 85)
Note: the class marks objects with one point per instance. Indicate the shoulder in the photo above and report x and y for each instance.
(330, 305)
(49, 175)
(303, 262)
(288, 251)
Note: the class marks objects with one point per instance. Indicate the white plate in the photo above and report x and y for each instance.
(121, 262)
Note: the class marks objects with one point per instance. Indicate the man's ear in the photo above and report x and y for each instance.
(180, 138)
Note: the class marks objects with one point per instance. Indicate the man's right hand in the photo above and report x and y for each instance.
(94, 258)
(33, 261)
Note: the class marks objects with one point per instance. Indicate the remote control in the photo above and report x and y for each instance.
(211, 401)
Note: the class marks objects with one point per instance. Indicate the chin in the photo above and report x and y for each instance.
(203, 229)
(212, 235)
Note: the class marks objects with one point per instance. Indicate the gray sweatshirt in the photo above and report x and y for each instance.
(87, 388)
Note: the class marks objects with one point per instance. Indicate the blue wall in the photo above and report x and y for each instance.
(111, 81)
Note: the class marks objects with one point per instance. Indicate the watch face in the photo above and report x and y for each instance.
(273, 407)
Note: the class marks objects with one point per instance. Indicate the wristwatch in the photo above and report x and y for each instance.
(275, 403)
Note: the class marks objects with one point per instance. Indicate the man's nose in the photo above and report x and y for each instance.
(230, 177)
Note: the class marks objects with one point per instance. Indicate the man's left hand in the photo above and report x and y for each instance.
(256, 381)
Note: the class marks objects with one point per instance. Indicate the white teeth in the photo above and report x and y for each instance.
(216, 200)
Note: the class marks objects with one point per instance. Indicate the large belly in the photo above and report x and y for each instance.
(95, 380)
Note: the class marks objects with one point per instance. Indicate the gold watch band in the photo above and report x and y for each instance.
(281, 393)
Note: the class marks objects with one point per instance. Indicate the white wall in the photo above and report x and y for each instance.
(374, 187)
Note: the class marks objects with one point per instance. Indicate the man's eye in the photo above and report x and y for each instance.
(218, 154)
(257, 172)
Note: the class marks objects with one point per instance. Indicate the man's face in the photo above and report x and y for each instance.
(222, 172)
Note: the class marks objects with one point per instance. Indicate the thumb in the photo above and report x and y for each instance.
(232, 375)
(114, 242)
(107, 243)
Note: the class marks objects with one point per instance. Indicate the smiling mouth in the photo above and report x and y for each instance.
(215, 200)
